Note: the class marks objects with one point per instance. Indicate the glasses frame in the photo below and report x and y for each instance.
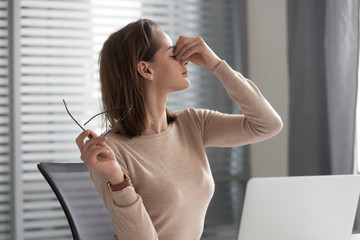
(122, 117)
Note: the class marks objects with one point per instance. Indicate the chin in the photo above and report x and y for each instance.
(183, 87)
(187, 84)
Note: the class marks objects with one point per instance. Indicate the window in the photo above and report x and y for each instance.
(5, 202)
(357, 126)
(54, 51)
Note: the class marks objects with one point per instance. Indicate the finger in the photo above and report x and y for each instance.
(190, 51)
(182, 40)
(189, 48)
(90, 158)
(100, 153)
(92, 134)
(183, 46)
(184, 62)
(80, 139)
(98, 141)
(85, 134)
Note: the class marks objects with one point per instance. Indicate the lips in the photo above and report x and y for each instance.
(185, 73)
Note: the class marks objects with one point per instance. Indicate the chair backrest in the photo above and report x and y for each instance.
(84, 209)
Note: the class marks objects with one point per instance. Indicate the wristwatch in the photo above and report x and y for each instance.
(120, 186)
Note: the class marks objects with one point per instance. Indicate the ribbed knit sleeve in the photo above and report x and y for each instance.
(132, 221)
(258, 121)
(170, 173)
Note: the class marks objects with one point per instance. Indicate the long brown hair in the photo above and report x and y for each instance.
(121, 83)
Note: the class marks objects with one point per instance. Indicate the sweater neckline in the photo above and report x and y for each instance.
(157, 135)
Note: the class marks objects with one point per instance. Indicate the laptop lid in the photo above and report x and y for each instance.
(300, 208)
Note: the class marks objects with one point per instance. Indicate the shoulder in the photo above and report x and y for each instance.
(117, 142)
(198, 115)
(189, 114)
(192, 117)
(114, 138)
(192, 113)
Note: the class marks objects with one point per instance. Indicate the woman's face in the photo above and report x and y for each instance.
(169, 75)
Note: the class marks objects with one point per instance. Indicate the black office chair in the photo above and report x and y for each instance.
(84, 209)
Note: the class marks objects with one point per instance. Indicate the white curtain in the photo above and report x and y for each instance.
(342, 62)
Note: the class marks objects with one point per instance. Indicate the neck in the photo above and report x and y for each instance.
(156, 109)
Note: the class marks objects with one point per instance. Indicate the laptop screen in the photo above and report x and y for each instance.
(298, 208)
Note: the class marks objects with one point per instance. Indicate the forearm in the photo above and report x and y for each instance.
(131, 219)
(127, 210)
(257, 110)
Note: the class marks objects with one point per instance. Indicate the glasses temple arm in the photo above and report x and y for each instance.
(67, 110)
(105, 112)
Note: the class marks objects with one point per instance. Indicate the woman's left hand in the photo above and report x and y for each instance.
(195, 50)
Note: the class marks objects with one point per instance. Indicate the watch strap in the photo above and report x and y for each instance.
(120, 186)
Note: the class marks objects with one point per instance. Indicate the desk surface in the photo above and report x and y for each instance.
(355, 237)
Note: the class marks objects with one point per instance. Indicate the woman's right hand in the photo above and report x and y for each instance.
(97, 155)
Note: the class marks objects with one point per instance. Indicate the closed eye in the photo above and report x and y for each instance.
(174, 57)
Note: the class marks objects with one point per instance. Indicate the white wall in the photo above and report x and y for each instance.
(267, 62)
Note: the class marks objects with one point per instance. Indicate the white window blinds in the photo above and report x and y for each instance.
(59, 42)
(5, 193)
(55, 64)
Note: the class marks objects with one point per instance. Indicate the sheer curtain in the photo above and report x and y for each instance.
(324, 61)
(49, 52)
(323, 55)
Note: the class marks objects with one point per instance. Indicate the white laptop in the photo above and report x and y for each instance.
(300, 208)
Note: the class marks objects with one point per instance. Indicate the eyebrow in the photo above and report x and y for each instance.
(173, 47)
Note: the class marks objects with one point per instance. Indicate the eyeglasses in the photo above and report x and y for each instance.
(122, 116)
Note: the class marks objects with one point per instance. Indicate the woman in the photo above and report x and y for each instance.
(151, 170)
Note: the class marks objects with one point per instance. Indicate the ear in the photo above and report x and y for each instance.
(145, 70)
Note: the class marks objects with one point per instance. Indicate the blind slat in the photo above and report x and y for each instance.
(59, 14)
(5, 190)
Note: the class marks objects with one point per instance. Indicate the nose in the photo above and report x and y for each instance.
(184, 62)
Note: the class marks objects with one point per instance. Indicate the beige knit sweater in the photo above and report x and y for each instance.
(170, 173)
